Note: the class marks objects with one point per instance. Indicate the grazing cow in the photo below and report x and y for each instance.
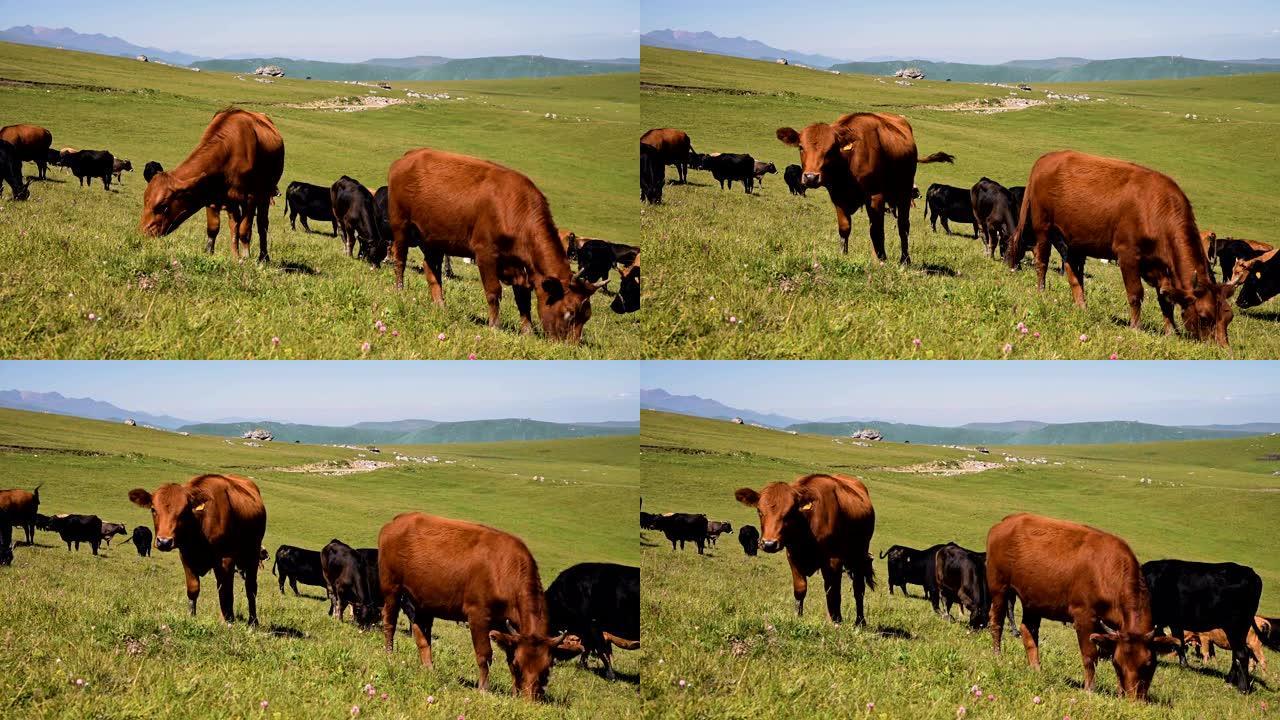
(749, 537)
(78, 529)
(236, 167)
(1227, 251)
(716, 528)
(151, 169)
(89, 164)
(452, 204)
(31, 142)
(141, 540)
(11, 172)
(349, 582)
(21, 507)
(682, 528)
(824, 522)
(907, 566)
(216, 522)
(457, 570)
(648, 521)
(357, 218)
(1018, 192)
(298, 565)
(763, 168)
(863, 159)
(600, 604)
(1259, 279)
(960, 576)
(947, 203)
(653, 174)
(628, 298)
(1111, 209)
(1075, 574)
(110, 530)
(792, 177)
(1204, 643)
(727, 167)
(995, 214)
(1202, 597)
(119, 166)
(673, 148)
(597, 257)
(308, 202)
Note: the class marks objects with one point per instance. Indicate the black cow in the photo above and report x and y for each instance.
(356, 216)
(961, 577)
(1017, 191)
(653, 174)
(297, 565)
(347, 579)
(89, 164)
(764, 168)
(1261, 279)
(600, 603)
(11, 172)
(151, 169)
(141, 540)
(628, 298)
(716, 528)
(53, 157)
(1201, 596)
(749, 536)
(308, 202)
(947, 203)
(907, 566)
(648, 521)
(682, 528)
(6, 540)
(1226, 251)
(120, 166)
(995, 213)
(597, 257)
(792, 177)
(727, 167)
(78, 529)
(384, 226)
(110, 530)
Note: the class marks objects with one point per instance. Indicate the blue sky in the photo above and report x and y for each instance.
(343, 30)
(341, 393)
(990, 31)
(954, 393)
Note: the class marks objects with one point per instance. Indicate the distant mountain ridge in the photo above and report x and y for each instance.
(735, 47)
(94, 43)
(418, 432)
(658, 399)
(58, 404)
(427, 68)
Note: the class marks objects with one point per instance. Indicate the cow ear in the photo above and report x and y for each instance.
(553, 289)
(197, 501)
(1106, 643)
(845, 138)
(747, 497)
(504, 640)
(789, 136)
(804, 503)
(140, 497)
(1163, 645)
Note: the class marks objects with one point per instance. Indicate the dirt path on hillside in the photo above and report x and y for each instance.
(946, 468)
(337, 467)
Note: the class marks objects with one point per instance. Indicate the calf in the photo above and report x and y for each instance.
(141, 540)
(716, 528)
(1202, 597)
(960, 575)
(683, 527)
(110, 530)
(995, 214)
(727, 167)
(907, 567)
(119, 166)
(749, 537)
(22, 508)
(944, 202)
(11, 172)
(653, 174)
(824, 522)
(356, 217)
(89, 164)
(763, 168)
(599, 603)
(78, 529)
(349, 582)
(791, 176)
(298, 565)
(1204, 643)
(1080, 575)
(151, 169)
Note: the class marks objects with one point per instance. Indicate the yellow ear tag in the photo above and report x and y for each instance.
(847, 148)
(1258, 275)
(806, 506)
(198, 508)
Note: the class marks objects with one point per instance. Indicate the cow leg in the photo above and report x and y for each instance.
(234, 215)
(1133, 288)
(264, 210)
(492, 288)
(94, 546)
(251, 590)
(1240, 656)
(843, 226)
(479, 625)
(1074, 279)
(1088, 652)
(524, 297)
(422, 637)
(945, 227)
(1166, 310)
(859, 592)
(391, 617)
(1031, 638)
(1182, 644)
(281, 578)
(875, 214)
(999, 601)
(42, 165)
(193, 588)
(831, 584)
(701, 543)
(799, 587)
(212, 222)
(225, 573)
(904, 232)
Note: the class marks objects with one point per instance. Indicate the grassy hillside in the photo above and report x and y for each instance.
(771, 262)
(1082, 433)
(166, 298)
(120, 623)
(468, 431)
(1065, 69)
(483, 68)
(726, 626)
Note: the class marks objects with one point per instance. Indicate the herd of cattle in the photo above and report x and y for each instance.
(442, 203)
(430, 567)
(1058, 570)
(1083, 205)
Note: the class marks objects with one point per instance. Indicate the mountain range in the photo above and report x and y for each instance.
(1058, 69)
(1015, 432)
(403, 432)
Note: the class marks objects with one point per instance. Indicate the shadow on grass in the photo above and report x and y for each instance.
(893, 632)
(297, 268)
(46, 179)
(282, 631)
(934, 269)
(1268, 315)
(628, 678)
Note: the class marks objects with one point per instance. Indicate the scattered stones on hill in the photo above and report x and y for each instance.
(269, 71)
(737, 421)
(988, 106)
(258, 434)
(914, 73)
(946, 468)
(142, 58)
(337, 467)
(130, 422)
(349, 103)
(868, 434)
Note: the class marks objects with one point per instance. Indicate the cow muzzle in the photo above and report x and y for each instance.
(164, 544)
(811, 180)
(771, 546)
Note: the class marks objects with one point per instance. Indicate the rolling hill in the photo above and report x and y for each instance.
(94, 43)
(415, 432)
(427, 68)
(733, 46)
(52, 402)
(1139, 68)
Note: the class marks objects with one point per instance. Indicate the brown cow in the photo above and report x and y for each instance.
(459, 570)
(673, 148)
(1075, 574)
(863, 159)
(449, 204)
(236, 166)
(20, 508)
(1115, 210)
(32, 143)
(216, 522)
(825, 523)
(1204, 642)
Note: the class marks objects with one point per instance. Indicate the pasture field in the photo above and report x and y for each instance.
(71, 251)
(120, 623)
(725, 623)
(762, 276)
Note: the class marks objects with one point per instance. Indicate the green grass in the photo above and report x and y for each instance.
(71, 251)
(120, 622)
(772, 261)
(725, 623)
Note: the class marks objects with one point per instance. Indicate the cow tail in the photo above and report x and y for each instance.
(867, 572)
(937, 157)
(273, 565)
(882, 553)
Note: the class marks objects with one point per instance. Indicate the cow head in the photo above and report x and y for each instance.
(1257, 282)
(1206, 310)
(822, 147)
(782, 509)
(529, 656)
(1134, 657)
(628, 298)
(570, 648)
(166, 203)
(175, 510)
(565, 306)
